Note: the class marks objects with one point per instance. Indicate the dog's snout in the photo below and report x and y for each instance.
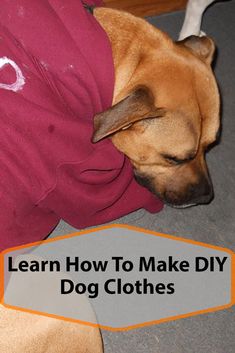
(193, 194)
(200, 193)
(203, 193)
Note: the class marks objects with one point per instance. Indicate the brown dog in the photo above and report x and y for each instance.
(165, 115)
(166, 107)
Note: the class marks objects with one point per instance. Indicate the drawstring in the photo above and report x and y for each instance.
(20, 80)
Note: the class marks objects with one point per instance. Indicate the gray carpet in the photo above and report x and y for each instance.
(215, 223)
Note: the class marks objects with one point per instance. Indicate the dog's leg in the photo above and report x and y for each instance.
(22, 332)
(30, 333)
(193, 18)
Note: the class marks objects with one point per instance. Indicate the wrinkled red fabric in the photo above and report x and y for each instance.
(50, 170)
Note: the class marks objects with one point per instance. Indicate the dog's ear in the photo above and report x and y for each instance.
(204, 47)
(138, 105)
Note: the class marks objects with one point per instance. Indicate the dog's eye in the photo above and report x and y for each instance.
(177, 161)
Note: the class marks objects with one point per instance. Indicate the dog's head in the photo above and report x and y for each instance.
(166, 119)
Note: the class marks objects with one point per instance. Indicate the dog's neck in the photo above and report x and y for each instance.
(127, 35)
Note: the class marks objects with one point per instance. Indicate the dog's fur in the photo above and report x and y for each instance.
(165, 114)
(30, 333)
(166, 107)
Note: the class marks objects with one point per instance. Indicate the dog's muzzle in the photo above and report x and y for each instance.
(191, 195)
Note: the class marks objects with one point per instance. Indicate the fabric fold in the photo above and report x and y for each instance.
(50, 170)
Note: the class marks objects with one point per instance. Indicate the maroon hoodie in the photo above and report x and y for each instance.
(56, 73)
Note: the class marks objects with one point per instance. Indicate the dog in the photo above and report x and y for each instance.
(165, 115)
(166, 107)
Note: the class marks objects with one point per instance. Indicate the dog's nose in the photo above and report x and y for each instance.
(203, 193)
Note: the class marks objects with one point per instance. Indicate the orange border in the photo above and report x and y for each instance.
(138, 229)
